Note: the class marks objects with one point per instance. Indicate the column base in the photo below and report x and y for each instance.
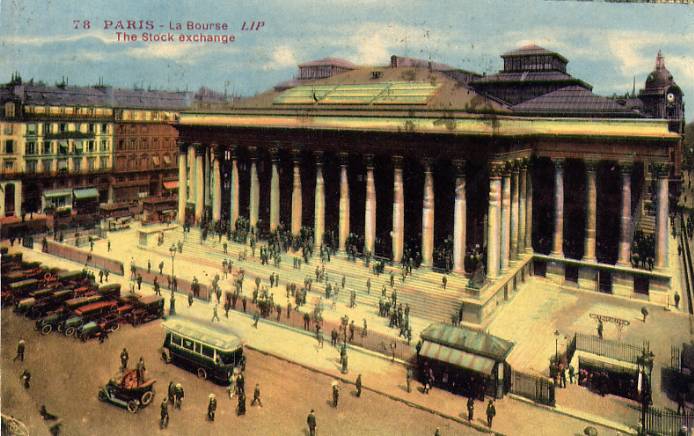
(622, 284)
(588, 279)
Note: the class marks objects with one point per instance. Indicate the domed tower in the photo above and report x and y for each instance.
(661, 97)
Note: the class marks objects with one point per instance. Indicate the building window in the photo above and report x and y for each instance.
(31, 129)
(103, 164)
(63, 127)
(91, 128)
(91, 164)
(90, 145)
(31, 167)
(76, 164)
(9, 109)
(7, 129)
(31, 148)
(9, 146)
(47, 163)
(62, 164)
(104, 128)
(47, 129)
(104, 145)
(47, 148)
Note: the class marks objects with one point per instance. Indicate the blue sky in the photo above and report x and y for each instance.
(607, 44)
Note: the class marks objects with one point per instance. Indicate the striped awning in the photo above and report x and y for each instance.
(171, 185)
(459, 358)
(58, 193)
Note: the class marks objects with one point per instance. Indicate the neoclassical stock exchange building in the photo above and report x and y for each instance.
(527, 167)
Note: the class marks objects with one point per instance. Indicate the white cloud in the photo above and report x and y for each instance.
(281, 57)
(38, 41)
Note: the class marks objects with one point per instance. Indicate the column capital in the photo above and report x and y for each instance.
(507, 168)
(625, 167)
(559, 162)
(199, 148)
(344, 158)
(523, 163)
(427, 162)
(296, 156)
(515, 166)
(182, 146)
(397, 162)
(232, 150)
(496, 169)
(318, 155)
(660, 169)
(591, 165)
(253, 152)
(369, 160)
(459, 165)
(215, 150)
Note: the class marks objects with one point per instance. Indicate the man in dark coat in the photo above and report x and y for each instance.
(470, 408)
(358, 385)
(241, 407)
(311, 421)
(164, 420)
(491, 413)
(211, 407)
(124, 359)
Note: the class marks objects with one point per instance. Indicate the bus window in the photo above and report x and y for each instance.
(227, 358)
(197, 347)
(207, 351)
(187, 343)
(176, 340)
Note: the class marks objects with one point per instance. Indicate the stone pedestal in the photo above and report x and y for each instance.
(555, 271)
(588, 278)
(622, 283)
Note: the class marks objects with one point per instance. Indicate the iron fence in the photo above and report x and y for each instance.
(536, 388)
(608, 348)
(668, 422)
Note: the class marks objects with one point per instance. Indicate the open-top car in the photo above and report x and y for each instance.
(124, 390)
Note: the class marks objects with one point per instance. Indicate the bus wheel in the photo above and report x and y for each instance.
(46, 329)
(69, 331)
(202, 373)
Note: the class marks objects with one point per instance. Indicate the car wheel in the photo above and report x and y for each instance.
(202, 373)
(102, 395)
(114, 327)
(46, 329)
(133, 405)
(59, 328)
(165, 357)
(69, 331)
(147, 398)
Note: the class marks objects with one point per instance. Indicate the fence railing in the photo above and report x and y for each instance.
(82, 257)
(668, 422)
(536, 388)
(608, 348)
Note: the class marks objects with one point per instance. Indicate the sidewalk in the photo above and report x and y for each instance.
(379, 375)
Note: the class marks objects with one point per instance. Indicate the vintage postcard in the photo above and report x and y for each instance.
(299, 217)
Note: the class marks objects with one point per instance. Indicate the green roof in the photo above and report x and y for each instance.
(215, 336)
(85, 193)
(383, 93)
(465, 339)
(456, 357)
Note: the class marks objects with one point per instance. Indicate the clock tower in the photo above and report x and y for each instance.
(661, 96)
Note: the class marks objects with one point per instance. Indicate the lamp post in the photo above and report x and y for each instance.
(172, 250)
(556, 347)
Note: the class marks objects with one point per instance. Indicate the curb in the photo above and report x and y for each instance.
(390, 396)
(578, 415)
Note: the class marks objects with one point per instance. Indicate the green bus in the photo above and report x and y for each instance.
(210, 352)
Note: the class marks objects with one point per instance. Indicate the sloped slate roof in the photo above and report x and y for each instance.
(338, 62)
(532, 49)
(572, 100)
(469, 340)
(529, 76)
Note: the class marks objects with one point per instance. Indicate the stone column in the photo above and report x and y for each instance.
(344, 203)
(199, 183)
(319, 205)
(515, 170)
(662, 172)
(182, 183)
(591, 212)
(217, 180)
(207, 178)
(192, 190)
(370, 209)
(296, 194)
(234, 189)
(2, 200)
(398, 235)
(428, 216)
(274, 192)
(529, 210)
(522, 199)
(625, 220)
(496, 169)
(506, 218)
(558, 237)
(18, 199)
(459, 219)
(254, 202)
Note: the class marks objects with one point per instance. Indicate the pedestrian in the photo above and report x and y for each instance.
(358, 385)
(344, 364)
(179, 395)
(108, 245)
(563, 376)
(211, 407)
(215, 316)
(408, 379)
(444, 281)
(351, 331)
(572, 373)
(244, 302)
(106, 273)
(311, 422)
(26, 378)
(491, 412)
(190, 298)
(171, 392)
(241, 406)
(101, 276)
(124, 359)
(307, 320)
(140, 368)
(157, 289)
(600, 327)
(149, 266)
(644, 312)
(470, 408)
(139, 281)
(240, 382)
(164, 420)
(161, 267)
(256, 396)
(256, 318)
(336, 393)
(677, 300)
(21, 346)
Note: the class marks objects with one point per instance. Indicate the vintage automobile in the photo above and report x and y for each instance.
(94, 329)
(146, 309)
(125, 391)
(109, 291)
(42, 307)
(51, 321)
(24, 305)
(86, 313)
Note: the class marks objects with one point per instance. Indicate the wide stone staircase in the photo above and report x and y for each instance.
(422, 290)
